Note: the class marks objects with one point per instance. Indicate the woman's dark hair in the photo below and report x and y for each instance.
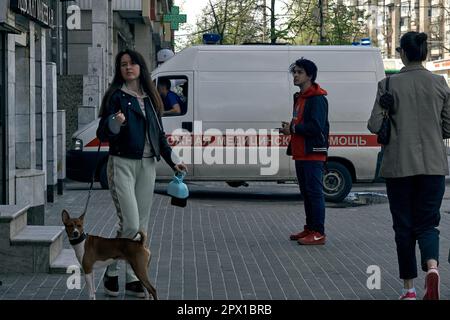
(415, 45)
(307, 65)
(144, 80)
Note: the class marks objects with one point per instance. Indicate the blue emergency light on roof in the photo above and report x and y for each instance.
(211, 38)
(365, 41)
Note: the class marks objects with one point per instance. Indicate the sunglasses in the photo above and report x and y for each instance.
(398, 49)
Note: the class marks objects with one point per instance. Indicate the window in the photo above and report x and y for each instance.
(174, 93)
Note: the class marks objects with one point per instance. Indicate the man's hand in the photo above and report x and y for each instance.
(286, 130)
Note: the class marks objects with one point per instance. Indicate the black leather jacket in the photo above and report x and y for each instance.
(130, 141)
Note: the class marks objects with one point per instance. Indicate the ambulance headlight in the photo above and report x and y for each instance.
(77, 144)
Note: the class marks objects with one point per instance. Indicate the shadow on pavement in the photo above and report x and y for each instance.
(254, 193)
(250, 195)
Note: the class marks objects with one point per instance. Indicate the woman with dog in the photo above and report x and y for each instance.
(130, 114)
(415, 160)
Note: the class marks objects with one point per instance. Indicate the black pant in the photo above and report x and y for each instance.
(415, 202)
(310, 180)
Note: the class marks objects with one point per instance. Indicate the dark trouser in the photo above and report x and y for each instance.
(310, 180)
(415, 202)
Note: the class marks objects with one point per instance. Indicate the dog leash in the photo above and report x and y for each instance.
(93, 177)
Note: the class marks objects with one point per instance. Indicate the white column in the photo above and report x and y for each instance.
(100, 14)
(110, 51)
(29, 182)
(61, 153)
(52, 131)
(395, 40)
(143, 43)
(11, 118)
(25, 107)
(99, 62)
(424, 19)
(41, 101)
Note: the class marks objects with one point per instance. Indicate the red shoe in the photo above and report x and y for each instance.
(432, 285)
(301, 234)
(313, 238)
(408, 295)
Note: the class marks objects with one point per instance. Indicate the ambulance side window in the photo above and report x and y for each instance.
(174, 94)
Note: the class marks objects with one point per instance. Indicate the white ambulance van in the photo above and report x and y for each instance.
(236, 97)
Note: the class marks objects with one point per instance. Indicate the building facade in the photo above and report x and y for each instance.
(28, 128)
(41, 47)
(388, 20)
(88, 48)
(55, 55)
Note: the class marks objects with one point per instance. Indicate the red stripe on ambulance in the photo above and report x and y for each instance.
(95, 142)
(335, 140)
(353, 140)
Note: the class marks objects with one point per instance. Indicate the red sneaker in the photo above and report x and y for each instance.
(432, 285)
(408, 295)
(313, 238)
(301, 234)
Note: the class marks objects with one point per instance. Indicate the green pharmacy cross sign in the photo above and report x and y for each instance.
(175, 18)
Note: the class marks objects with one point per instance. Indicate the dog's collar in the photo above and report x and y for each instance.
(78, 240)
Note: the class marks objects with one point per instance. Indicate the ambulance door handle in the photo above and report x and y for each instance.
(187, 125)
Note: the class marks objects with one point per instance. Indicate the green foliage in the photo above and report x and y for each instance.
(244, 21)
(341, 24)
(344, 25)
(237, 21)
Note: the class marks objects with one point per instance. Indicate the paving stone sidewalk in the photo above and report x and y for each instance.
(233, 244)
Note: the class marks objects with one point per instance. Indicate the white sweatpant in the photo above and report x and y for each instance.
(131, 183)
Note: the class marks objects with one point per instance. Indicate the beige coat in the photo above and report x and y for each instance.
(420, 121)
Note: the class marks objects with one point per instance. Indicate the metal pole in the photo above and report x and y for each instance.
(65, 40)
(264, 13)
(273, 38)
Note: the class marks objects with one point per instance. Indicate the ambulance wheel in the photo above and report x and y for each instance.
(103, 176)
(337, 182)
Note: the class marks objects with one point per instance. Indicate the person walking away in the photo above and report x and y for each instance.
(415, 163)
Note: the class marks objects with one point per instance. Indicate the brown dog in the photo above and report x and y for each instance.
(93, 252)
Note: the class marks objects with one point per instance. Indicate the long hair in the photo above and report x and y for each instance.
(144, 80)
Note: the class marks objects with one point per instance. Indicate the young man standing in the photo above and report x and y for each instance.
(309, 129)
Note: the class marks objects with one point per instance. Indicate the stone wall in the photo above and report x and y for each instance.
(70, 97)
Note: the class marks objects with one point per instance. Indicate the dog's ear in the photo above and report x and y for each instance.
(82, 216)
(65, 216)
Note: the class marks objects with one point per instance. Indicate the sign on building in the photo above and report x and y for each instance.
(174, 18)
(36, 10)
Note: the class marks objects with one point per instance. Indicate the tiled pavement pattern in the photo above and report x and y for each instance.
(233, 244)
